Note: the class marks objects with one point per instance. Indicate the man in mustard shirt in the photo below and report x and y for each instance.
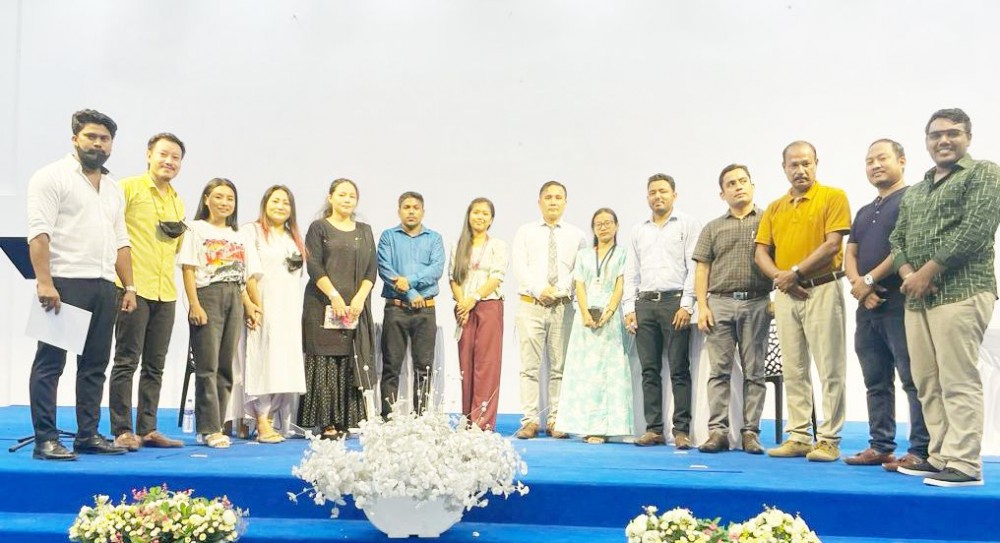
(153, 215)
(799, 246)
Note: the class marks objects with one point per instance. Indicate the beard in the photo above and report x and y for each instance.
(93, 159)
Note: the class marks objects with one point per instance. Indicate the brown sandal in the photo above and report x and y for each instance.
(595, 440)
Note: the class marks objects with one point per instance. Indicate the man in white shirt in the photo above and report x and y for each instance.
(658, 304)
(544, 254)
(78, 245)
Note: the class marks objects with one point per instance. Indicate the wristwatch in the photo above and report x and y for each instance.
(869, 280)
(795, 270)
(130, 288)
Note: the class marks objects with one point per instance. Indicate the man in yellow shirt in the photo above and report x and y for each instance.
(153, 215)
(800, 247)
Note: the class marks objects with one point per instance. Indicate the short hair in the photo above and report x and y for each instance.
(92, 116)
(410, 194)
(796, 143)
(954, 115)
(896, 146)
(732, 167)
(548, 184)
(661, 177)
(166, 136)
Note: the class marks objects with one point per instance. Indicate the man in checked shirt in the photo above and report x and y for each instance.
(942, 247)
(732, 296)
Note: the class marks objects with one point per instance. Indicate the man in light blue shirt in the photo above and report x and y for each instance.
(658, 304)
(410, 263)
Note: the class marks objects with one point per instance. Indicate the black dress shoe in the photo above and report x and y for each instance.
(96, 444)
(52, 450)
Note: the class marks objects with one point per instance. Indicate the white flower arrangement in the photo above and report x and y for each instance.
(676, 525)
(773, 526)
(424, 457)
(159, 515)
(681, 526)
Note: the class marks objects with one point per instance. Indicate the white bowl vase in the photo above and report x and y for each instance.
(404, 516)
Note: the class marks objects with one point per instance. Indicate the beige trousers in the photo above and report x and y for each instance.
(813, 326)
(542, 331)
(944, 349)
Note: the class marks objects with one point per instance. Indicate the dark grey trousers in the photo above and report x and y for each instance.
(141, 336)
(214, 346)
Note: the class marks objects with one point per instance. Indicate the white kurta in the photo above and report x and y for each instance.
(274, 350)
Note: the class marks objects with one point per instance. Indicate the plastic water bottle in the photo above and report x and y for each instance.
(188, 425)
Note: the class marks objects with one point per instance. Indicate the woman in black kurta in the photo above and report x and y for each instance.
(339, 364)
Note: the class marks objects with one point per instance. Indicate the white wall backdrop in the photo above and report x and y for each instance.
(458, 99)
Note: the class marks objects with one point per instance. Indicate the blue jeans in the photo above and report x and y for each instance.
(881, 347)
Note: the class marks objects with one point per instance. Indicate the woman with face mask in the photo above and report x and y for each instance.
(272, 375)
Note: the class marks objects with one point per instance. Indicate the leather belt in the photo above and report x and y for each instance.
(822, 279)
(428, 302)
(656, 296)
(558, 301)
(742, 296)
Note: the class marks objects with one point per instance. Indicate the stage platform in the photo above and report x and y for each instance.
(579, 492)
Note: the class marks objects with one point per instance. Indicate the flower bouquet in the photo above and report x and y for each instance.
(159, 515)
(426, 458)
(678, 525)
(773, 525)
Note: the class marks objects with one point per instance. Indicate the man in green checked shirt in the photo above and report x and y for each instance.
(942, 247)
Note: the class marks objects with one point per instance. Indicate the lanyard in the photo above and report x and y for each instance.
(601, 264)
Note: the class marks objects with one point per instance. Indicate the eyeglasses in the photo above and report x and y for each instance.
(603, 224)
(954, 133)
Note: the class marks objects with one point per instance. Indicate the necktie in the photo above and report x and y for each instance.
(553, 275)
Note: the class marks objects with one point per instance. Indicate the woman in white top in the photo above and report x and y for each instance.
(274, 374)
(478, 266)
(216, 261)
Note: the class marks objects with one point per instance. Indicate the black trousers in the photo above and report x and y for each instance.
(399, 326)
(656, 332)
(142, 335)
(99, 297)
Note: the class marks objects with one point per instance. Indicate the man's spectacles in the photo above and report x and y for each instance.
(603, 224)
(954, 133)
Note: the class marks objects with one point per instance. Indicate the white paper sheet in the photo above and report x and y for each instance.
(67, 330)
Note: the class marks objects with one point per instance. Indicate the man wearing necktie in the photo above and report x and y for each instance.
(545, 315)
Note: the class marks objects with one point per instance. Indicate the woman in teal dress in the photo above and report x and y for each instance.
(597, 382)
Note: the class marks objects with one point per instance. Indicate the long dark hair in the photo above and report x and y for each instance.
(203, 213)
(292, 224)
(463, 251)
(327, 208)
(609, 211)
